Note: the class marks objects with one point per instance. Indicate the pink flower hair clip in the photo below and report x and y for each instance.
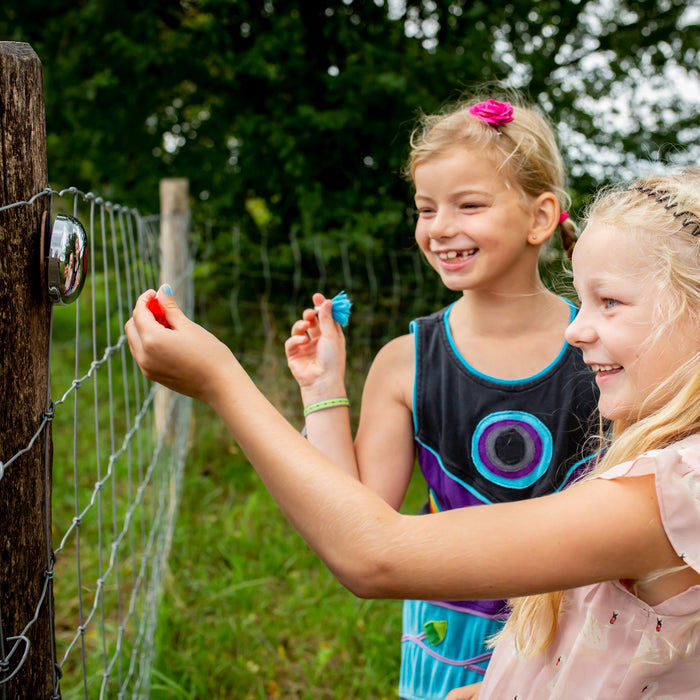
(493, 113)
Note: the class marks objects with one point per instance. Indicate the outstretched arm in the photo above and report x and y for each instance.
(505, 550)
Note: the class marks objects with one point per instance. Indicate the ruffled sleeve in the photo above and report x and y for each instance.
(676, 471)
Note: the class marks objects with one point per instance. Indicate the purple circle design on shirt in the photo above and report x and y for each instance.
(511, 448)
(532, 448)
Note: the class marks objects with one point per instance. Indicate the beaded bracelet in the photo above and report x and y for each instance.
(328, 403)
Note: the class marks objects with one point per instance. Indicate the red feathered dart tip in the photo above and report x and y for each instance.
(153, 305)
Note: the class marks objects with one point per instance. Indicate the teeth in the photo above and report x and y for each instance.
(453, 254)
(604, 368)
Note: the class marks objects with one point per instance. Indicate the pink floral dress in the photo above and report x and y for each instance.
(610, 644)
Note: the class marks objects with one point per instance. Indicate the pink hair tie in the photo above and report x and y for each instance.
(492, 112)
(563, 216)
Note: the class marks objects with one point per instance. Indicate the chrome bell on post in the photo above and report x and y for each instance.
(67, 259)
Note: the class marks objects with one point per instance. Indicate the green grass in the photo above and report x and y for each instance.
(248, 610)
(81, 455)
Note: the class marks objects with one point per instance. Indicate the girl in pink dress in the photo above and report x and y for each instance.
(606, 572)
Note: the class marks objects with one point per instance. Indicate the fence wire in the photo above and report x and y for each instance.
(117, 469)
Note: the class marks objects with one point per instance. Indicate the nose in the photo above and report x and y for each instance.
(580, 331)
(443, 225)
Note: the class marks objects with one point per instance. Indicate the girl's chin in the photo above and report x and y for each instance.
(612, 410)
(619, 413)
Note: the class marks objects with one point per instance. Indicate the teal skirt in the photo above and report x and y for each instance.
(441, 649)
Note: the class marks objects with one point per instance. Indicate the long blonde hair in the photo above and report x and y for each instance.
(525, 147)
(663, 213)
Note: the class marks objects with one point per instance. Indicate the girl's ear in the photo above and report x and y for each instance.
(545, 218)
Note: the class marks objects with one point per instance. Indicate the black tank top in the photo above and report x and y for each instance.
(486, 440)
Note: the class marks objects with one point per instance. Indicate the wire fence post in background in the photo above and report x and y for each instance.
(26, 563)
(175, 262)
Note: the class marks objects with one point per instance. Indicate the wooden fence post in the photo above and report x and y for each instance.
(25, 313)
(174, 260)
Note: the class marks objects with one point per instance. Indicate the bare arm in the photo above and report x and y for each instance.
(383, 454)
(316, 357)
(598, 530)
(384, 442)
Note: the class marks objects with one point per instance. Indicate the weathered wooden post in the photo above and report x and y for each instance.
(25, 313)
(174, 260)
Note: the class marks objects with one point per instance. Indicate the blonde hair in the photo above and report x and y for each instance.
(525, 147)
(663, 213)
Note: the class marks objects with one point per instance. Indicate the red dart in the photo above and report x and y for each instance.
(156, 309)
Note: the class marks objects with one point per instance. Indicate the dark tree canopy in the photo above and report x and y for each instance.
(294, 116)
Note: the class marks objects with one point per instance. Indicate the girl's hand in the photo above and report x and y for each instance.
(316, 351)
(184, 357)
(467, 692)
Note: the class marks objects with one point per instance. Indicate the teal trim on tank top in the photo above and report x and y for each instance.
(496, 380)
(454, 477)
(413, 329)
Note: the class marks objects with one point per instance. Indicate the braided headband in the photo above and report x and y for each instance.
(664, 197)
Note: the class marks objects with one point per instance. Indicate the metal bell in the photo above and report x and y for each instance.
(67, 259)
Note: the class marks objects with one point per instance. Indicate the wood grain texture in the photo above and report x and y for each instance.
(24, 347)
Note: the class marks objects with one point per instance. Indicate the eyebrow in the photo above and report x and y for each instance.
(457, 194)
(594, 282)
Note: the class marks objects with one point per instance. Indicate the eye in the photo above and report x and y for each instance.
(609, 303)
(424, 211)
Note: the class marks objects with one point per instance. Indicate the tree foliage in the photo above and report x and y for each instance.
(291, 116)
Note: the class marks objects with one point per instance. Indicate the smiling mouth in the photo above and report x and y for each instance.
(456, 255)
(604, 369)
